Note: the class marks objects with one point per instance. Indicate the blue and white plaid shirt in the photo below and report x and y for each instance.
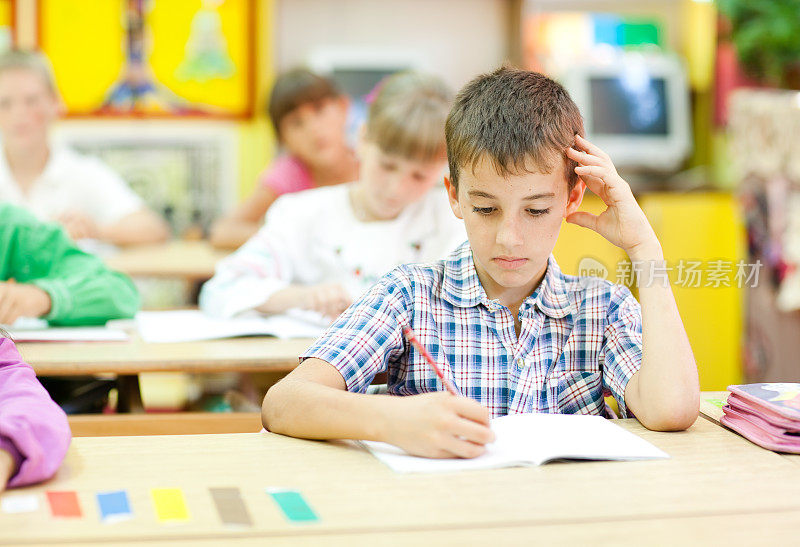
(580, 338)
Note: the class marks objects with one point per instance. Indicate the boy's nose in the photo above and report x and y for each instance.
(509, 233)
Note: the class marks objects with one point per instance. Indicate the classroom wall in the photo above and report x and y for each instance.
(478, 43)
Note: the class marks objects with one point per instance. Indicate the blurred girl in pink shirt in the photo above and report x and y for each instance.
(309, 116)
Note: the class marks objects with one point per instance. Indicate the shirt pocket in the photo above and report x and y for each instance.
(575, 392)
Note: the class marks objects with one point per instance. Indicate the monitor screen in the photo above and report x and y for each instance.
(628, 106)
(358, 82)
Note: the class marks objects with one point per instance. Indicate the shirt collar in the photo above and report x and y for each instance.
(551, 296)
(461, 286)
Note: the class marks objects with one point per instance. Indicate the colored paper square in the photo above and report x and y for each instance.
(114, 506)
(293, 505)
(64, 504)
(169, 504)
(19, 503)
(231, 507)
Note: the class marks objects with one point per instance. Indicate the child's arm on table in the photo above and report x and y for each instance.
(664, 394)
(7, 468)
(312, 402)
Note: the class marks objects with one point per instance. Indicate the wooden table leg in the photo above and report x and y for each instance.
(129, 396)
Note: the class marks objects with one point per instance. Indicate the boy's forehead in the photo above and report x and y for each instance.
(486, 176)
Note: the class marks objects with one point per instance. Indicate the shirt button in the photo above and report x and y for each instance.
(520, 363)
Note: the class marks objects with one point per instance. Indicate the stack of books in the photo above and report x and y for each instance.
(767, 414)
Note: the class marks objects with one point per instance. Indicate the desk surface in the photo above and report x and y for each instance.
(715, 486)
(258, 354)
(191, 260)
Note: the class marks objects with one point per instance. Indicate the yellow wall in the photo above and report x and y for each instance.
(705, 227)
(691, 227)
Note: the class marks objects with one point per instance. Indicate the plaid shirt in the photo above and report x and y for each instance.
(580, 338)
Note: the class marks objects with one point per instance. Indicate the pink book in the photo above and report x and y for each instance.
(772, 399)
(767, 414)
(748, 427)
(763, 413)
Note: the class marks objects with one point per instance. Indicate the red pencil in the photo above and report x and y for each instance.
(412, 337)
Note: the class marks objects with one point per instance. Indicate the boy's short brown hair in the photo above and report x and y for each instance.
(295, 88)
(518, 120)
(407, 116)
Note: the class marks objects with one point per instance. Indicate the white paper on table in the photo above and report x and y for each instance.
(19, 503)
(533, 439)
(194, 325)
(29, 329)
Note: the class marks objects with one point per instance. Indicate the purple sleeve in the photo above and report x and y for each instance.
(31, 424)
(286, 175)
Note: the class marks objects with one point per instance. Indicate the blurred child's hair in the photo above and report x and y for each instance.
(519, 120)
(295, 88)
(406, 117)
(29, 60)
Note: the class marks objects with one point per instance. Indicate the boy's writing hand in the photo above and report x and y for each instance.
(623, 223)
(21, 300)
(439, 425)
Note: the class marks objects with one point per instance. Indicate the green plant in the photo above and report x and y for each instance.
(766, 34)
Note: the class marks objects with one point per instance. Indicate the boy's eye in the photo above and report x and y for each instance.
(538, 212)
(388, 166)
(483, 210)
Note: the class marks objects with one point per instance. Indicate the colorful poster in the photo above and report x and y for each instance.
(151, 57)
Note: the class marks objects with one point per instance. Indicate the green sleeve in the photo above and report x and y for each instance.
(83, 291)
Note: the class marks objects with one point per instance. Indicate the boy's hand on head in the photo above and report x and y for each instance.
(21, 300)
(329, 299)
(623, 223)
(439, 425)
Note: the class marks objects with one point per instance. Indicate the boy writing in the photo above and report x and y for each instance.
(510, 330)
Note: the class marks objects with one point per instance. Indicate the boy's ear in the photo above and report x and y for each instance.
(575, 197)
(452, 196)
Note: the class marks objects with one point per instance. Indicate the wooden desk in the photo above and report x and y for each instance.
(170, 423)
(189, 260)
(710, 407)
(127, 359)
(256, 354)
(717, 486)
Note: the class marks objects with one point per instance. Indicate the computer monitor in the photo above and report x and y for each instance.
(635, 107)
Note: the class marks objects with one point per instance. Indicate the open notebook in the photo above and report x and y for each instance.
(533, 439)
(29, 329)
(193, 325)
